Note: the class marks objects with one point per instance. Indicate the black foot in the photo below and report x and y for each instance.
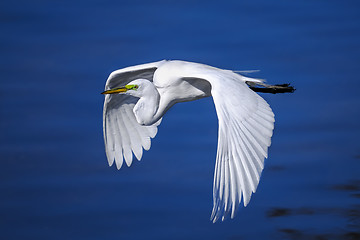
(278, 88)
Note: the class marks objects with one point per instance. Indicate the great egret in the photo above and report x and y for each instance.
(137, 97)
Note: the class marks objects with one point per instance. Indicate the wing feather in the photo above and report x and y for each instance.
(246, 124)
(234, 186)
(110, 143)
(227, 191)
(246, 162)
(123, 135)
(115, 140)
(141, 132)
(135, 141)
(123, 76)
(125, 139)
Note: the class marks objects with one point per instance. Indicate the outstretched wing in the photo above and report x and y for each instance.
(246, 123)
(123, 135)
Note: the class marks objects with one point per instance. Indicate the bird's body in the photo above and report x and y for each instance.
(138, 97)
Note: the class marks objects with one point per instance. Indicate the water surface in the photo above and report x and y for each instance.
(55, 58)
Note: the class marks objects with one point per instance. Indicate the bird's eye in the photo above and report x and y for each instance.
(132, 87)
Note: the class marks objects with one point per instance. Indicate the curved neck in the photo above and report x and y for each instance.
(147, 106)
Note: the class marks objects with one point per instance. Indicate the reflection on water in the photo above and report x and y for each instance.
(55, 57)
(348, 215)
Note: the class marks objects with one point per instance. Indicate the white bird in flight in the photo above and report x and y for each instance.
(137, 97)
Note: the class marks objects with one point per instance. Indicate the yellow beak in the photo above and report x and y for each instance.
(115, 90)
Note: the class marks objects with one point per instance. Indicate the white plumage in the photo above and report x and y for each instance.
(137, 97)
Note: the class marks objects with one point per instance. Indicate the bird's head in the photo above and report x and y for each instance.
(134, 88)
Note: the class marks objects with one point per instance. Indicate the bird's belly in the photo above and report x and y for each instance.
(187, 89)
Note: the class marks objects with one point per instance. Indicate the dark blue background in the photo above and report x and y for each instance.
(54, 179)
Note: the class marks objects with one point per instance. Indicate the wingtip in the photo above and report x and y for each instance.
(118, 164)
(214, 219)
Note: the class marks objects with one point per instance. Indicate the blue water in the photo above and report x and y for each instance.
(54, 179)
